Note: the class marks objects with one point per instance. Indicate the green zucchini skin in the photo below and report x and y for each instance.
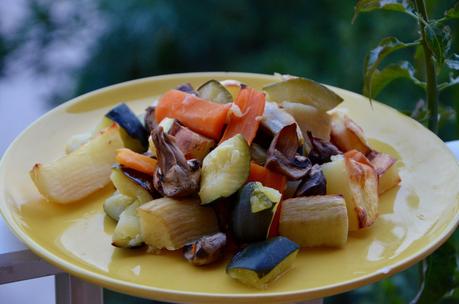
(124, 116)
(247, 226)
(263, 257)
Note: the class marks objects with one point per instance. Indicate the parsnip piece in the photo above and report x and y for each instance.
(346, 134)
(358, 183)
(386, 168)
(81, 172)
(312, 221)
(170, 223)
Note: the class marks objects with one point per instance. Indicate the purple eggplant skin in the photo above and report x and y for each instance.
(321, 151)
(206, 250)
(313, 183)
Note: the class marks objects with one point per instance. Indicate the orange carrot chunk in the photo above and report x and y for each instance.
(267, 177)
(200, 115)
(252, 105)
(136, 161)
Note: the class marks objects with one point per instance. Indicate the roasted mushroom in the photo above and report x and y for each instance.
(313, 184)
(283, 157)
(206, 249)
(321, 151)
(149, 119)
(174, 175)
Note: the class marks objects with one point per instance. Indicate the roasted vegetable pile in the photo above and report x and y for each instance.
(227, 170)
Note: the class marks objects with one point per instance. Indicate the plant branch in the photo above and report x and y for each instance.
(431, 76)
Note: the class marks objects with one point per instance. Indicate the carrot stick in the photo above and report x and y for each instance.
(267, 177)
(136, 161)
(252, 105)
(200, 115)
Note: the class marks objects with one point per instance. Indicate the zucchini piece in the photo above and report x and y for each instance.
(127, 230)
(225, 169)
(129, 186)
(315, 220)
(254, 212)
(214, 91)
(304, 91)
(170, 223)
(122, 115)
(116, 204)
(261, 263)
(80, 173)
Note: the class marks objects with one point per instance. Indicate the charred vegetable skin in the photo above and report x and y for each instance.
(205, 250)
(283, 157)
(174, 176)
(249, 226)
(123, 116)
(261, 263)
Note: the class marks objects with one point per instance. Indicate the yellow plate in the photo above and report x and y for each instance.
(414, 219)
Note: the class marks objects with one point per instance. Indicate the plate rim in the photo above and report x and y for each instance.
(175, 295)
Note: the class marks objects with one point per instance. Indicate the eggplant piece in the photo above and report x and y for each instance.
(304, 91)
(254, 212)
(261, 263)
(127, 230)
(225, 169)
(133, 184)
(174, 175)
(283, 157)
(313, 184)
(205, 250)
(214, 91)
(275, 118)
(310, 119)
(127, 120)
(321, 151)
(116, 204)
(187, 88)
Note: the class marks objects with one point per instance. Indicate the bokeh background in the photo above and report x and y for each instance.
(52, 51)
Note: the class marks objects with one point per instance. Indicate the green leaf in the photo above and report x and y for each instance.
(385, 47)
(380, 79)
(363, 6)
(453, 12)
(453, 63)
(439, 276)
(438, 40)
(453, 80)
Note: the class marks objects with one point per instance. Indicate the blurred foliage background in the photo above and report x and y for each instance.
(125, 40)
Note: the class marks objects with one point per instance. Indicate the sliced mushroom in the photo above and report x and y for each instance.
(205, 250)
(174, 175)
(313, 184)
(275, 118)
(322, 150)
(149, 119)
(283, 157)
